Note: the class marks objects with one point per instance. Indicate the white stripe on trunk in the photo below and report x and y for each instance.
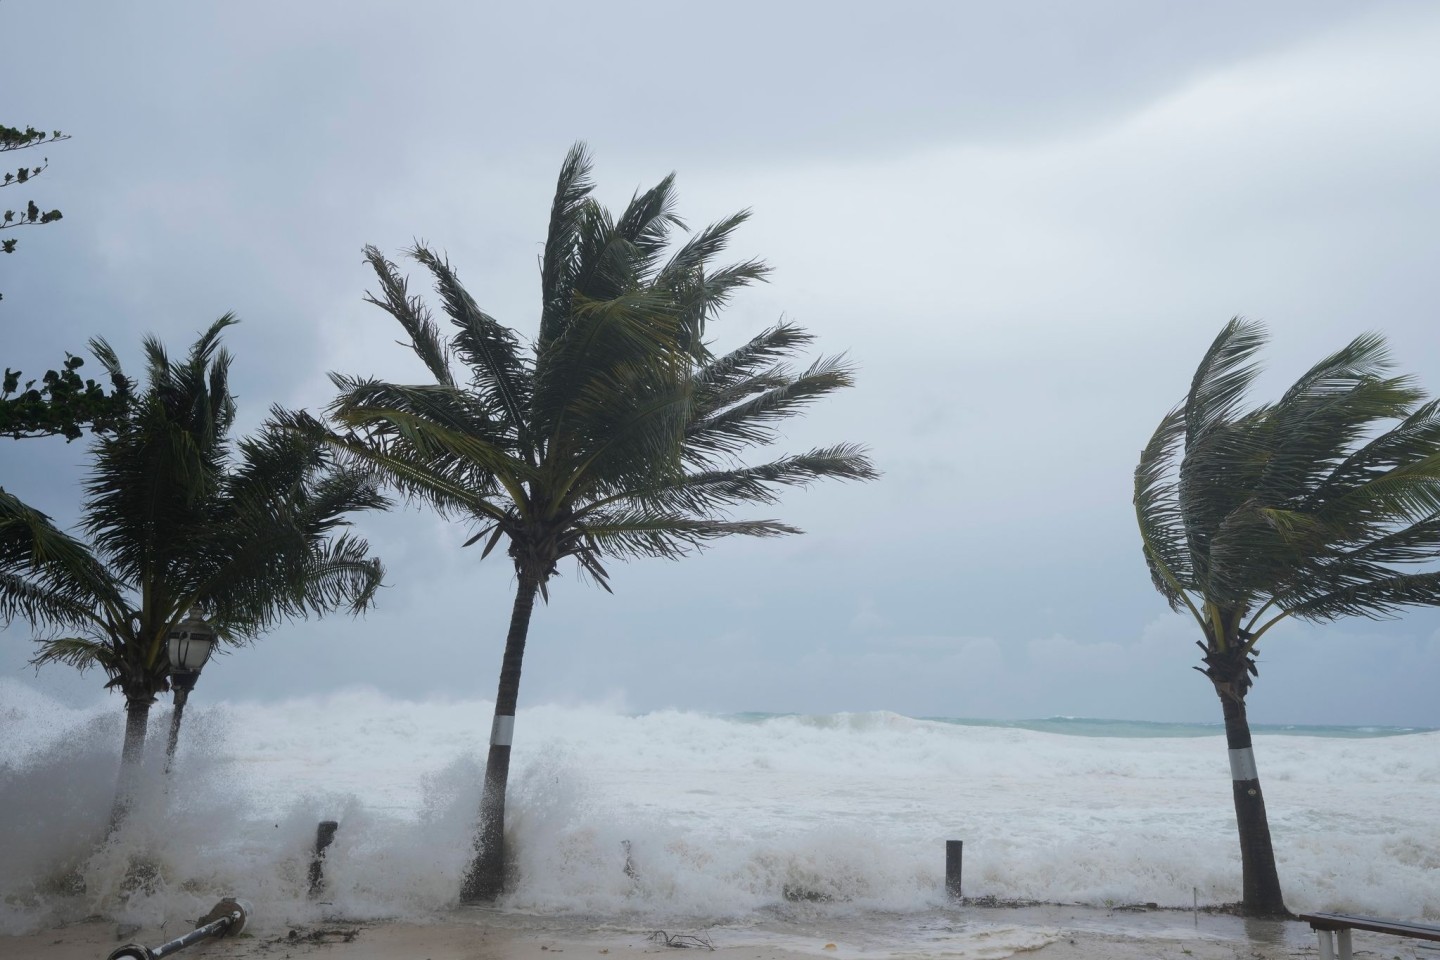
(1242, 765)
(502, 732)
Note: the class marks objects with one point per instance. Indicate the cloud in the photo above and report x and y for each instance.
(1023, 222)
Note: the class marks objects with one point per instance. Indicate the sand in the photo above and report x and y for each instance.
(1046, 933)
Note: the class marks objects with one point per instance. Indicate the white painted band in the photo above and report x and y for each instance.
(502, 733)
(1242, 765)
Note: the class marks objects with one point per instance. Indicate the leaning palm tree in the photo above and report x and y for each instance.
(615, 435)
(181, 526)
(1322, 505)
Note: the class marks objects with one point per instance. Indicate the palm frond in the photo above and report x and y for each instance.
(670, 536)
(78, 652)
(697, 252)
(412, 471)
(719, 490)
(1309, 505)
(412, 314)
(1222, 378)
(700, 290)
(736, 375)
(1332, 407)
(490, 350)
(1417, 543)
(1157, 509)
(46, 575)
(148, 490)
(345, 575)
(1377, 598)
(719, 429)
(39, 599)
(646, 224)
(276, 546)
(630, 426)
(586, 368)
(431, 440)
(557, 263)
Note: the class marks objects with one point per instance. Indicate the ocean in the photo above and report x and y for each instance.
(738, 819)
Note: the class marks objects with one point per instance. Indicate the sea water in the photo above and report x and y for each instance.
(694, 819)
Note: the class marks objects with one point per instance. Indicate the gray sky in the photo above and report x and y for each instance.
(1024, 222)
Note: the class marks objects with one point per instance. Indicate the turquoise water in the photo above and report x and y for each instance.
(1088, 727)
(1133, 729)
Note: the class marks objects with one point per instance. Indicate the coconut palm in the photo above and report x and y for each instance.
(1322, 505)
(180, 525)
(615, 435)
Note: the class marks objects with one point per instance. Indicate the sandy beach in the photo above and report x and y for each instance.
(1048, 932)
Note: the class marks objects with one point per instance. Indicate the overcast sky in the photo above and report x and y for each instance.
(1024, 222)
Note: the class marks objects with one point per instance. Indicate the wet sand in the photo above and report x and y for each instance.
(1044, 933)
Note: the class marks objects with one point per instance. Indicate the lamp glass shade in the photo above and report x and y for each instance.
(191, 642)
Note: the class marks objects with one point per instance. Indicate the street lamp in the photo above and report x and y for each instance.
(191, 642)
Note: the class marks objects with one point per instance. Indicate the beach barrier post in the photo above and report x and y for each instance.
(954, 854)
(324, 835)
(225, 919)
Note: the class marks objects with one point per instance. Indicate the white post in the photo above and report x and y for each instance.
(1327, 944)
(1344, 937)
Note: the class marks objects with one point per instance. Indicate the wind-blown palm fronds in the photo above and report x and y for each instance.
(33, 552)
(1323, 504)
(617, 434)
(182, 523)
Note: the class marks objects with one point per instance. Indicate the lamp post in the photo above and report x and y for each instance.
(191, 643)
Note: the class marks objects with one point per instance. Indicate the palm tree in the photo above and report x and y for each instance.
(616, 435)
(179, 526)
(1319, 506)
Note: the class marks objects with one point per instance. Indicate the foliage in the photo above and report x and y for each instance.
(1322, 505)
(179, 520)
(13, 138)
(62, 405)
(617, 435)
(32, 554)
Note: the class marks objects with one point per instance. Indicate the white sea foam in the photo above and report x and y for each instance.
(725, 818)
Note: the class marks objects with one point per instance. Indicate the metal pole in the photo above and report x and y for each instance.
(226, 918)
(181, 682)
(954, 855)
(182, 694)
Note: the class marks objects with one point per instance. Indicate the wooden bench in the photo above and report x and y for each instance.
(1332, 927)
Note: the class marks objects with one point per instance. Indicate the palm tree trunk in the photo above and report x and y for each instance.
(485, 878)
(1257, 857)
(137, 718)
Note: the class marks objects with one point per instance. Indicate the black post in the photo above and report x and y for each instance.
(324, 835)
(181, 695)
(954, 854)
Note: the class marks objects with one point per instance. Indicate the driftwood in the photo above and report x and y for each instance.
(680, 940)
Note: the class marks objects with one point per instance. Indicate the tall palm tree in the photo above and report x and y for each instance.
(615, 435)
(1322, 505)
(179, 525)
